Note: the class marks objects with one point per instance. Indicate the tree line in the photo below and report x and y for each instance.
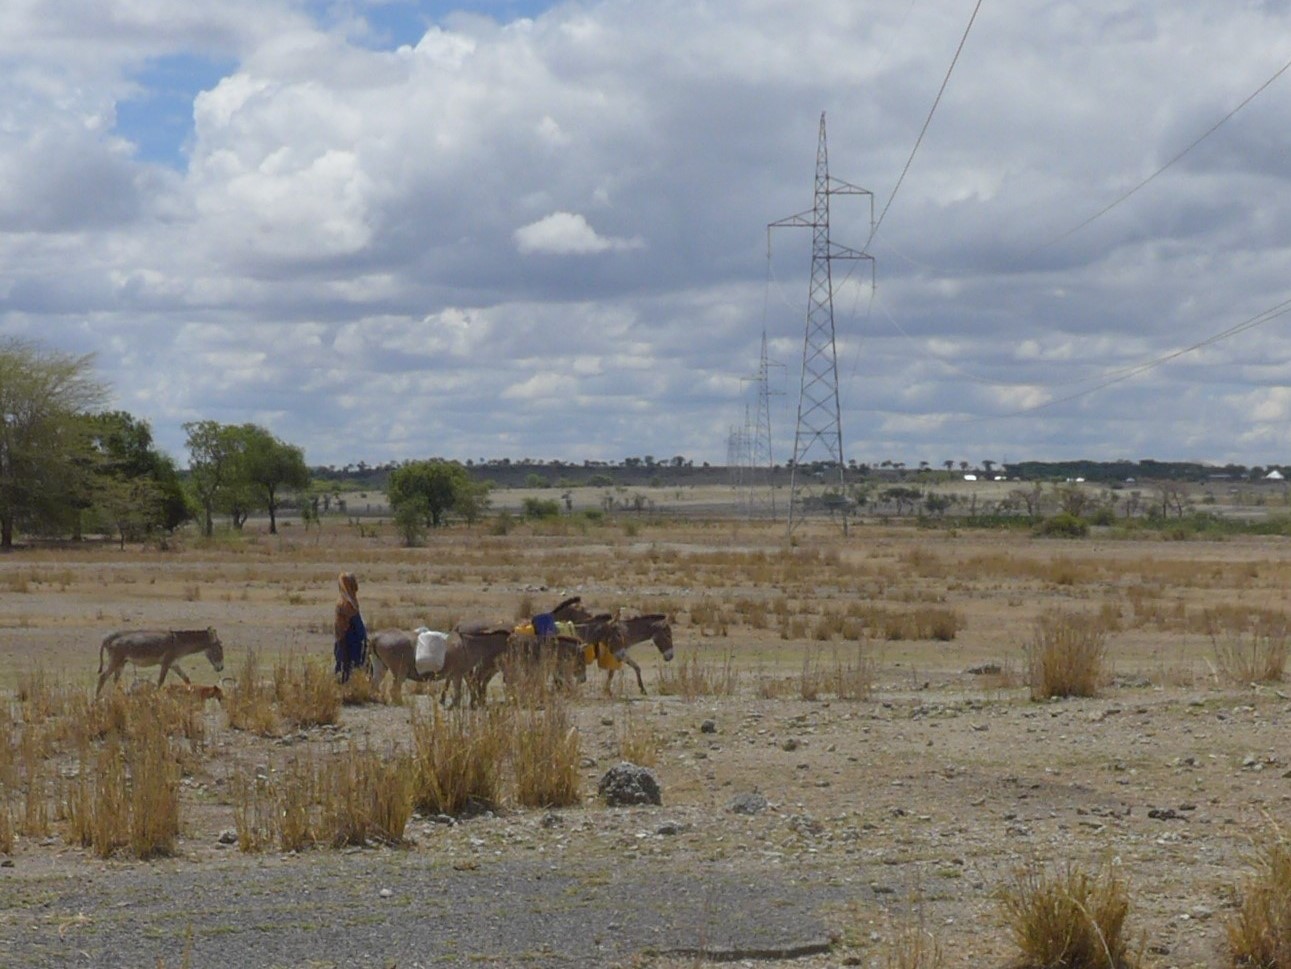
(70, 467)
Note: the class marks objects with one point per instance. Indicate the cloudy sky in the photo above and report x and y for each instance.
(390, 229)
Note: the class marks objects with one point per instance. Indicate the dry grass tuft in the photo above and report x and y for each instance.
(638, 742)
(307, 693)
(249, 705)
(530, 684)
(40, 698)
(1251, 647)
(6, 822)
(915, 948)
(365, 796)
(1073, 920)
(153, 791)
(255, 812)
(1259, 934)
(844, 679)
(1066, 656)
(545, 754)
(358, 690)
(692, 677)
(458, 758)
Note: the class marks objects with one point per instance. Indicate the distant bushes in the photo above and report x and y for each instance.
(539, 508)
(1063, 525)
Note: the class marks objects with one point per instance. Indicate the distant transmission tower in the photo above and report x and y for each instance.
(817, 475)
(736, 460)
(760, 502)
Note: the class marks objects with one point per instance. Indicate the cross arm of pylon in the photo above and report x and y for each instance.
(839, 251)
(803, 220)
(839, 187)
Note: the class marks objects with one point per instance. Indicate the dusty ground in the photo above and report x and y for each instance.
(909, 808)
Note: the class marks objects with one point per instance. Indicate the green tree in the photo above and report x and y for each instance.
(473, 501)
(44, 394)
(137, 487)
(270, 465)
(442, 485)
(214, 459)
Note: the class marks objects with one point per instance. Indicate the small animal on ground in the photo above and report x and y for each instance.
(199, 693)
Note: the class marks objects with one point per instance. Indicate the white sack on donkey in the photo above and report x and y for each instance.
(431, 649)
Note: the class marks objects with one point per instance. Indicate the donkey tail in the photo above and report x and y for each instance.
(104, 645)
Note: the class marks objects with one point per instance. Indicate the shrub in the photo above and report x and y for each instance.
(1072, 920)
(1067, 655)
(1063, 525)
(539, 508)
(410, 518)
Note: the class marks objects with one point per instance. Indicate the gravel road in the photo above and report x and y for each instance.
(399, 908)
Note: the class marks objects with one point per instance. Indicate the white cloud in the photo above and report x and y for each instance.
(567, 234)
(588, 191)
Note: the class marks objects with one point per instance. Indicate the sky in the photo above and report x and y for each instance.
(396, 229)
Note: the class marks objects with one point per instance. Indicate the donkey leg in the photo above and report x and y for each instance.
(114, 669)
(637, 669)
(396, 687)
(167, 666)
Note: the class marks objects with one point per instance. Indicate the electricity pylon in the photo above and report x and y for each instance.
(761, 476)
(817, 474)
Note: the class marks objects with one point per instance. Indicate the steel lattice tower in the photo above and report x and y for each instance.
(761, 494)
(818, 464)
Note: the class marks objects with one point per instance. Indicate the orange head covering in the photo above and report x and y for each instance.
(347, 605)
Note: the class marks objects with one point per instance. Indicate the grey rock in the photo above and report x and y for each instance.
(708, 726)
(749, 803)
(627, 784)
(228, 837)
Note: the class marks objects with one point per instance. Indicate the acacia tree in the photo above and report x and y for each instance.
(43, 396)
(237, 468)
(270, 465)
(137, 487)
(214, 450)
(428, 490)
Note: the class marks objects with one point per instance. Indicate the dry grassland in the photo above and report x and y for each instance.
(877, 689)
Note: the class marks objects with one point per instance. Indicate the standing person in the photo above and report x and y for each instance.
(351, 635)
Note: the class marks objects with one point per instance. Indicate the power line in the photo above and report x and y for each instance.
(1272, 313)
(928, 121)
(1209, 131)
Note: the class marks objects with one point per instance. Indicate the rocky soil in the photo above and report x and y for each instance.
(790, 832)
